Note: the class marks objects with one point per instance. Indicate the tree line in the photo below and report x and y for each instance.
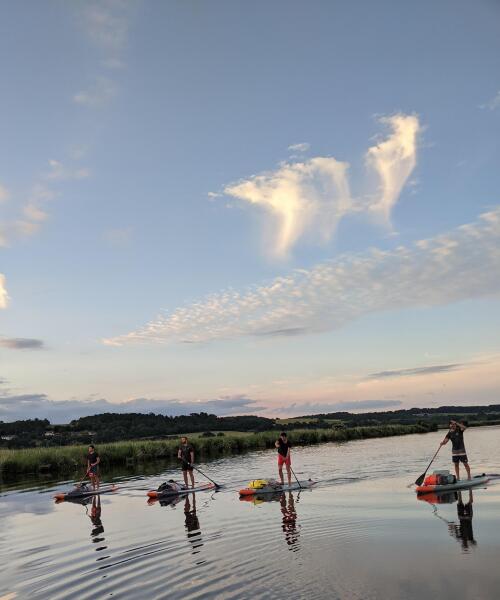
(110, 427)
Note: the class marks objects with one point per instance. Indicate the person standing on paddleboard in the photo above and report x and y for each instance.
(283, 446)
(186, 455)
(93, 461)
(458, 453)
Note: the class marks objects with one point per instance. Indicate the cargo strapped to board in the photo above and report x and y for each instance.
(440, 478)
(258, 484)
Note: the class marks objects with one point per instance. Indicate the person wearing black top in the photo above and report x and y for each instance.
(458, 453)
(93, 461)
(186, 455)
(283, 446)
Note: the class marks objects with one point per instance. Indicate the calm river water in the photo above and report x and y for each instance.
(361, 533)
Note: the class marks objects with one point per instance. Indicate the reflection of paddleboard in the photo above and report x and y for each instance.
(436, 498)
(458, 485)
(271, 489)
(85, 492)
(258, 499)
(169, 493)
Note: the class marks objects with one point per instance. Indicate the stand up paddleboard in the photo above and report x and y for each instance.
(166, 493)
(85, 492)
(461, 484)
(266, 488)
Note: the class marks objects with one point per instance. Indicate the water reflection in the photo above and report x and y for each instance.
(191, 520)
(462, 530)
(287, 504)
(95, 517)
(192, 524)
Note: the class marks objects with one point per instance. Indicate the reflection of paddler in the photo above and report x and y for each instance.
(289, 519)
(95, 517)
(465, 514)
(192, 524)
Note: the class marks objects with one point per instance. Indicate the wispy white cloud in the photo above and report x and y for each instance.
(31, 212)
(34, 213)
(98, 95)
(4, 193)
(60, 172)
(302, 147)
(461, 264)
(393, 160)
(106, 23)
(4, 298)
(492, 104)
(310, 197)
(303, 197)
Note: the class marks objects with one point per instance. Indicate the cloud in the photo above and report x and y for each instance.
(98, 95)
(60, 172)
(312, 196)
(33, 213)
(4, 193)
(458, 265)
(29, 406)
(494, 103)
(314, 408)
(106, 23)
(4, 298)
(303, 147)
(415, 371)
(21, 343)
(393, 160)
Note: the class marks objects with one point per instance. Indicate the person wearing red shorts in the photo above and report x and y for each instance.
(283, 446)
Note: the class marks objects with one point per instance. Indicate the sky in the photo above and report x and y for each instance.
(274, 208)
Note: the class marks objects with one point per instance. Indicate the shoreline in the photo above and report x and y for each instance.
(67, 460)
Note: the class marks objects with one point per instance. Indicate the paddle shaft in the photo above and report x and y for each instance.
(422, 477)
(295, 476)
(84, 478)
(201, 473)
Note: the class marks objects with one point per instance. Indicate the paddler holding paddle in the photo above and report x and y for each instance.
(458, 453)
(186, 455)
(93, 461)
(283, 446)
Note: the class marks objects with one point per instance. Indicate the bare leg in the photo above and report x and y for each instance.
(280, 471)
(185, 475)
(467, 468)
(191, 474)
(289, 475)
(457, 470)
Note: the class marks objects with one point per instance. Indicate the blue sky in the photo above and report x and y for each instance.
(255, 205)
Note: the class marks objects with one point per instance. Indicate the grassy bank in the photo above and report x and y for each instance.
(71, 459)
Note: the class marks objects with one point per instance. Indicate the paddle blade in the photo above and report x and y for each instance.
(420, 480)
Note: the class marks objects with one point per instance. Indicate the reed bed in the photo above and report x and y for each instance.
(71, 459)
